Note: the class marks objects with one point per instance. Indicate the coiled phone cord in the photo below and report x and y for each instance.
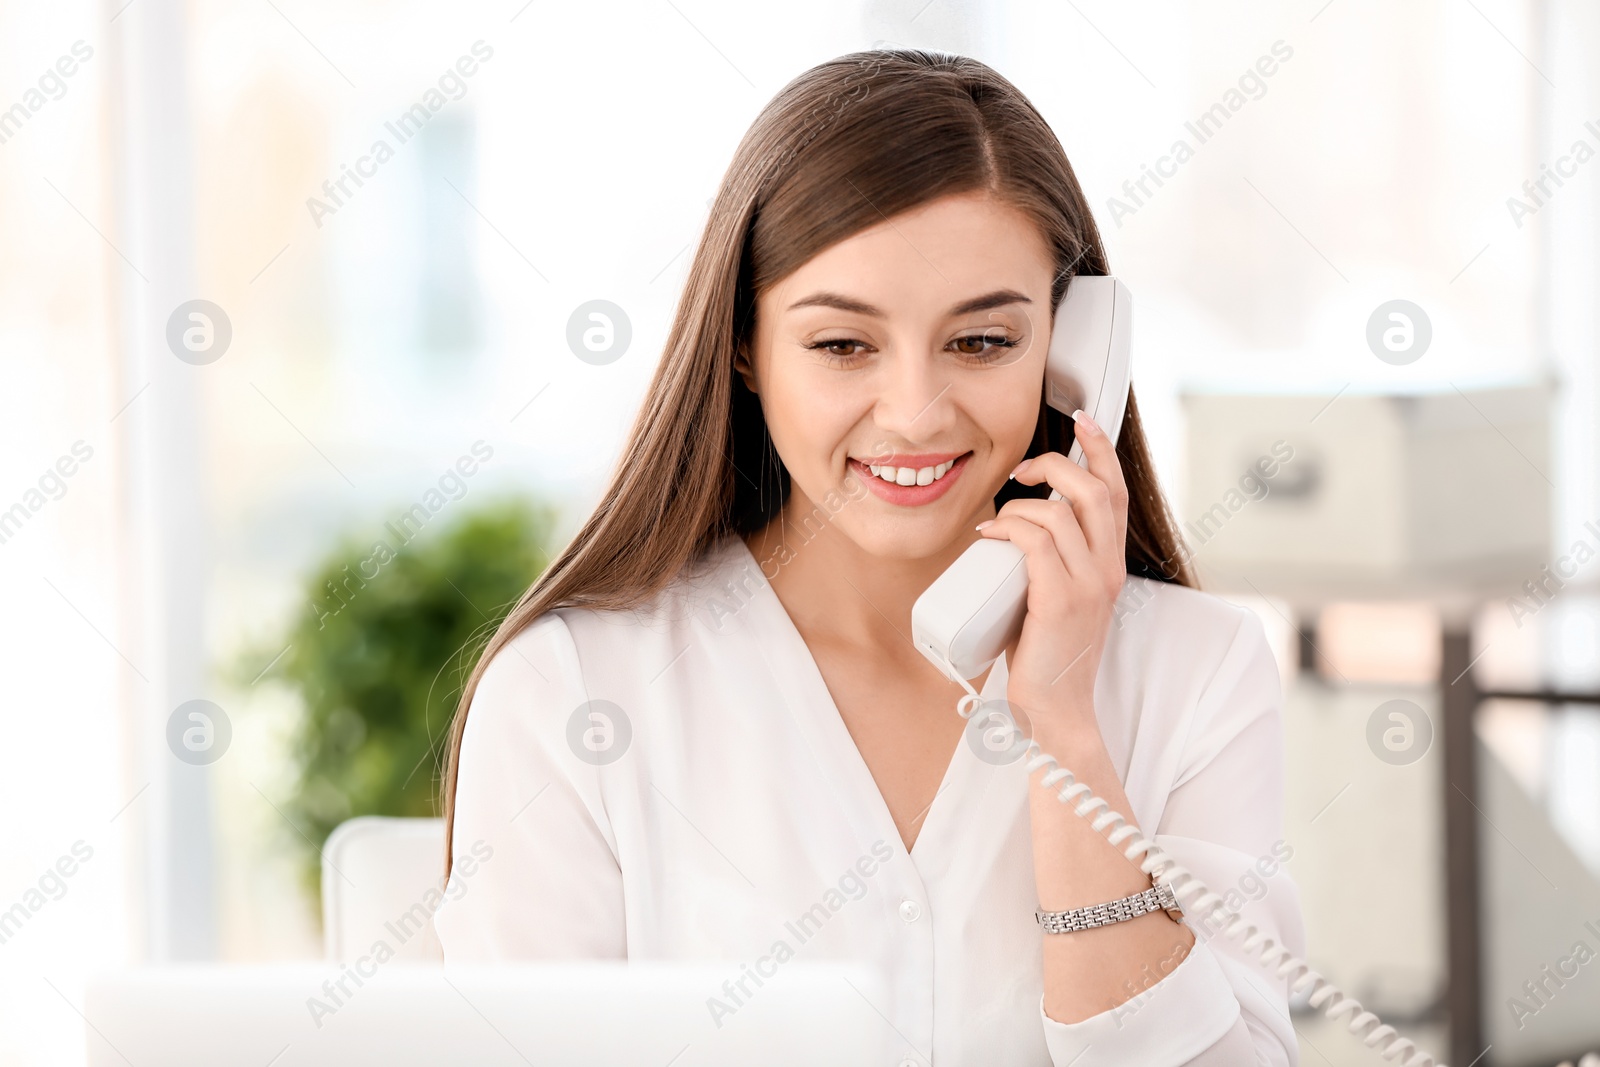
(1194, 896)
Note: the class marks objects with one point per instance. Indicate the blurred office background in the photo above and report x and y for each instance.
(175, 521)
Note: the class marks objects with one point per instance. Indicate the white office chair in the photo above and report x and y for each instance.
(382, 878)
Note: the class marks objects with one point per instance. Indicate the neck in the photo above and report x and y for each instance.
(832, 587)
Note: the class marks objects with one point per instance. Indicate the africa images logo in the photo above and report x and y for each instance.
(851, 885)
(337, 191)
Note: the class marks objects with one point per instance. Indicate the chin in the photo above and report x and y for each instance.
(909, 538)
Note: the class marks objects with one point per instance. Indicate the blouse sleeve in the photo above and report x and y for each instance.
(535, 872)
(1223, 821)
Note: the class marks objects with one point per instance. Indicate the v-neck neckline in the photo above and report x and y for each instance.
(803, 667)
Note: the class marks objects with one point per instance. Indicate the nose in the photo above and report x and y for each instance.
(916, 400)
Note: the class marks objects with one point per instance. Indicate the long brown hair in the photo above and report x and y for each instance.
(845, 145)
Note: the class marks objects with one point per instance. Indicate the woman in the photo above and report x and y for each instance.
(706, 718)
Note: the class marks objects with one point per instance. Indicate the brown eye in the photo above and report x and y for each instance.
(983, 348)
(836, 349)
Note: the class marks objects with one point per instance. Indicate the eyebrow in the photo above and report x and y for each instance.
(998, 298)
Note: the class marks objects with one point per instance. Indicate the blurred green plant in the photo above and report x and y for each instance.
(379, 656)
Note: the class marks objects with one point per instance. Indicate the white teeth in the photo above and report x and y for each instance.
(913, 475)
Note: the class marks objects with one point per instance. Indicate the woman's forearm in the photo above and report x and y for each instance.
(1090, 971)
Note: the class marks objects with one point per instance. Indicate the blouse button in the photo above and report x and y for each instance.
(908, 1062)
(910, 911)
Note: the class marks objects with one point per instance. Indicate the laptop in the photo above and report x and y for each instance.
(584, 1014)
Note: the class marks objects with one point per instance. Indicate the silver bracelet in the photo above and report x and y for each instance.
(1159, 897)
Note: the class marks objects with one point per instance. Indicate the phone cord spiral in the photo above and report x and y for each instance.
(1196, 899)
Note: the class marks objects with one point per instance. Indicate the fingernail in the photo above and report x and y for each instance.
(1082, 418)
(1017, 468)
(986, 522)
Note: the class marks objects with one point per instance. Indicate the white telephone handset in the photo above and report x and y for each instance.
(966, 618)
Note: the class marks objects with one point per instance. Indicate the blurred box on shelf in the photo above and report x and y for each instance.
(1315, 498)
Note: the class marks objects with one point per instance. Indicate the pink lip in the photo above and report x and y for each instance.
(911, 495)
(915, 460)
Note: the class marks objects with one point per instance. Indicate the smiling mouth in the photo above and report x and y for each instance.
(914, 481)
(912, 475)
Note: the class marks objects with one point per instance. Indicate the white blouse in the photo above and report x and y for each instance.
(676, 782)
